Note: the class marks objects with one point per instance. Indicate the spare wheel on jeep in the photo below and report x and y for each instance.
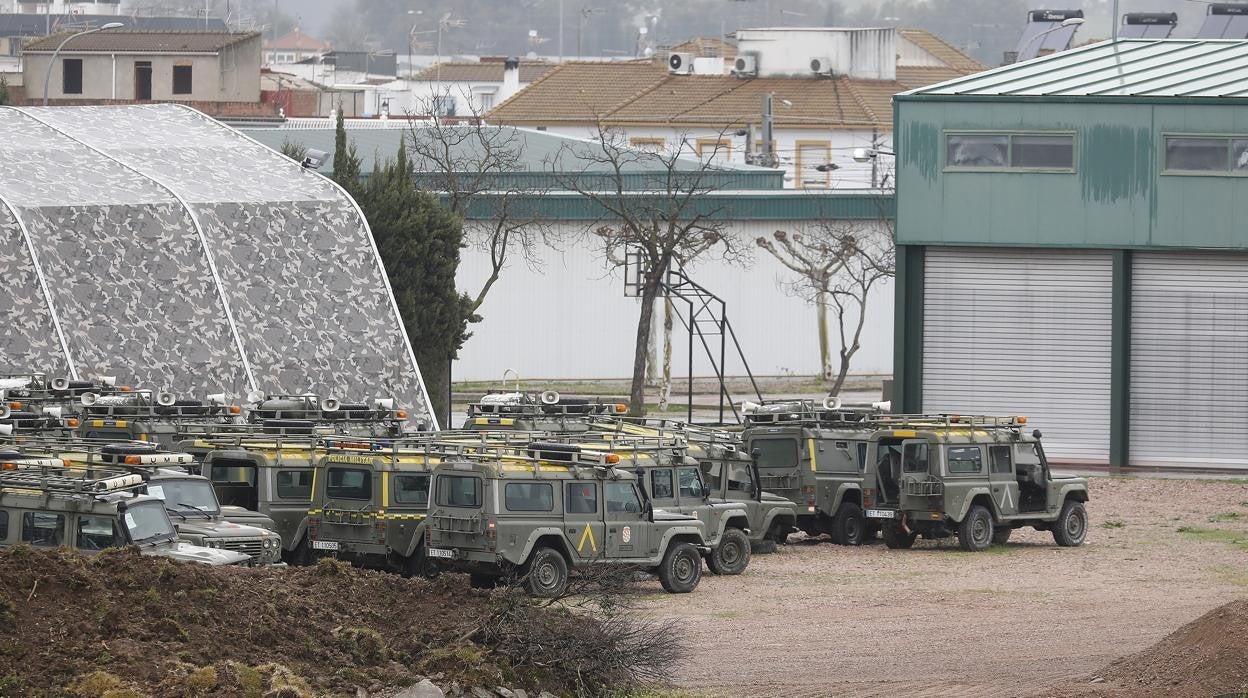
(681, 569)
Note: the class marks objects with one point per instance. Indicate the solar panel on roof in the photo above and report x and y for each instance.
(1220, 22)
(1213, 27)
(1238, 28)
(1148, 25)
(1133, 31)
(1158, 31)
(1032, 44)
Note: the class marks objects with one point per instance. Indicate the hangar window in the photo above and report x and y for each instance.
(1047, 152)
(1206, 155)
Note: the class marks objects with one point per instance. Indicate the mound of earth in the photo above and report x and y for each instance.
(121, 625)
(1207, 657)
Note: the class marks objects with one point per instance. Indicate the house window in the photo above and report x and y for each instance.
(486, 100)
(1207, 154)
(1010, 151)
(71, 76)
(443, 105)
(181, 79)
(649, 145)
(714, 150)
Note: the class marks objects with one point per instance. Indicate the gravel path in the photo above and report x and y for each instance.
(817, 619)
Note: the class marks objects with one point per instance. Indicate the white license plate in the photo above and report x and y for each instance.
(880, 514)
(439, 552)
(324, 545)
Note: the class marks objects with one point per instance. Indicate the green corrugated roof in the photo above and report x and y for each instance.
(1129, 69)
(540, 154)
(735, 205)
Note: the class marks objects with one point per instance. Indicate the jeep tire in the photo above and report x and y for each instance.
(546, 573)
(848, 526)
(301, 554)
(418, 564)
(681, 569)
(732, 555)
(975, 533)
(1071, 527)
(895, 538)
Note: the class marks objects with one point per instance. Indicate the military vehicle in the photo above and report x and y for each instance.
(45, 504)
(268, 473)
(369, 504)
(329, 415)
(540, 511)
(189, 499)
(144, 415)
(974, 477)
(815, 456)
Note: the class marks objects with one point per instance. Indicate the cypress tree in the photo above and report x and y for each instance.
(420, 244)
(346, 161)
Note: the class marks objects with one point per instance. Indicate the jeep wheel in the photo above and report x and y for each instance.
(976, 531)
(895, 538)
(546, 573)
(849, 527)
(681, 569)
(732, 555)
(1071, 527)
(300, 555)
(419, 564)
(1001, 535)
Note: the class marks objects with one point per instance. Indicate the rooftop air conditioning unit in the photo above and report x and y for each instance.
(821, 66)
(746, 65)
(680, 64)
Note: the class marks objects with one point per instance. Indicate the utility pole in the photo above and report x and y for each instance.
(560, 31)
(1114, 21)
(768, 158)
(875, 145)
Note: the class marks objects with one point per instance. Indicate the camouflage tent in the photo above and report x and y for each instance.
(154, 244)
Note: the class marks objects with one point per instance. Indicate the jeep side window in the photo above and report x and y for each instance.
(711, 470)
(690, 483)
(43, 530)
(741, 478)
(581, 498)
(349, 483)
(412, 489)
(964, 460)
(661, 484)
(999, 457)
(914, 458)
(529, 496)
(862, 456)
(96, 532)
(459, 491)
(622, 498)
(294, 484)
(235, 483)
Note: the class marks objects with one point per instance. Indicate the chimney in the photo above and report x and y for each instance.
(511, 79)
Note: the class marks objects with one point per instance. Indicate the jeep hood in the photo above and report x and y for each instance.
(185, 552)
(217, 529)
(247, 517)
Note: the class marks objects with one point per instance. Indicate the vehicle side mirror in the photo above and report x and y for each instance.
(706, 491)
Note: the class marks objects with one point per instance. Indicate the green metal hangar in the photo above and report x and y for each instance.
(1073, 246)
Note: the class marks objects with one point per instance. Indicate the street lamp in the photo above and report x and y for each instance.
(51, 62)
(1069, 22)
(869, 154)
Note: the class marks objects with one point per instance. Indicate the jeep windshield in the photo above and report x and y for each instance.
(186, 497)
(148, 524)
(775, 454)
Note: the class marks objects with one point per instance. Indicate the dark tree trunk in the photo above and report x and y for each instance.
(641, 350)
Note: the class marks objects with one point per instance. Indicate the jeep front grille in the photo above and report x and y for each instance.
(923, 488)
(251, 546)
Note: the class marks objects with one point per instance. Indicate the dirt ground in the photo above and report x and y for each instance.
(1027, 618)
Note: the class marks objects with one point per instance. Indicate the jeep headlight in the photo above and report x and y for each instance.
(268, 543)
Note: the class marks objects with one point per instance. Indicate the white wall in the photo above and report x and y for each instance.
(869, 54)
(839, 144)
(569, 317)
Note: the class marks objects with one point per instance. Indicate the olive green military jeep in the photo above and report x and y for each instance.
(44, 503)
(542, 511)
(369, 505)
(815, 456)
(977, 478)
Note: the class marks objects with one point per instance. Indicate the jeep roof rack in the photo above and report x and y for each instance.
(805, 412)
(945, 421)
(53, 479)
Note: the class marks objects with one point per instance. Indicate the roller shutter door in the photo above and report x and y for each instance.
(1189, 359)
(1022, 332)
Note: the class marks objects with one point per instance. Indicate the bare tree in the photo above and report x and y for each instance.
(838, 264)
(663, 223)
(480, 172)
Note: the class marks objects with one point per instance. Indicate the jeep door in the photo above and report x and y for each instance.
(965, 475)
(1002, 479)
(917, 487)
(628, 531)
(583, 522)
(662, 488)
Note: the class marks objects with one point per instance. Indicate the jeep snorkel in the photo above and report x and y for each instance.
(757, 494)
(647, 507)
